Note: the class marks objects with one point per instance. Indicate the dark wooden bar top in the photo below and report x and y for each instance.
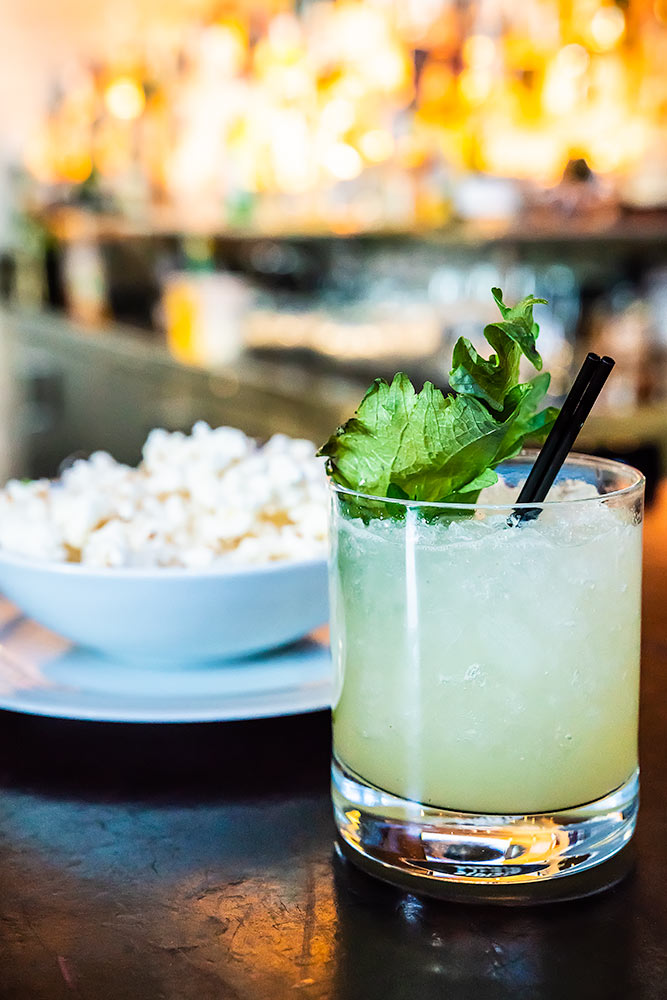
(196, 861)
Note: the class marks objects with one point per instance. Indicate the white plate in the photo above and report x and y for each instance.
(43, 674)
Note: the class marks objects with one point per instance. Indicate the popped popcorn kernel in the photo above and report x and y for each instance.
(209, 498)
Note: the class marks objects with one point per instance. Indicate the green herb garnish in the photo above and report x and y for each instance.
(426, 446)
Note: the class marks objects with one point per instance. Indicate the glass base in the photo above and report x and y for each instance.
(485, 858)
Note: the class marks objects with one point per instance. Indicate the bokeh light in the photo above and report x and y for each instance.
(125, 98)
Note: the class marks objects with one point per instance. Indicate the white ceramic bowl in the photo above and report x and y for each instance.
(171, 615)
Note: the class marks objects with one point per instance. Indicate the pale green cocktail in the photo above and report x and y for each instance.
(488, 668)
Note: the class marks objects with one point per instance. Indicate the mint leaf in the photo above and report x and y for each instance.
(433, 448)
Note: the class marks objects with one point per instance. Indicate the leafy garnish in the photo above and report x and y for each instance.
(515, 334)
(426, 446)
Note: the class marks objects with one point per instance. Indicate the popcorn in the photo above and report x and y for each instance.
(214, 497)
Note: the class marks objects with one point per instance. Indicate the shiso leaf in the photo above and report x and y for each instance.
(425, 446)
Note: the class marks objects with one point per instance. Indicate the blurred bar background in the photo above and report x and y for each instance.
(245, 211)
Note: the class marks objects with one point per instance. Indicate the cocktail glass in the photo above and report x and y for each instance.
(486, 665)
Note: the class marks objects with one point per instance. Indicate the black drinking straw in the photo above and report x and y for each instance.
(579, 402)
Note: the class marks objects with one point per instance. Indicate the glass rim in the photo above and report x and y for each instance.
(574, 458)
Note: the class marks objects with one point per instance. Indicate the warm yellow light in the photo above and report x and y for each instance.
(376, 145)
(337, 116)
(435, 84)
(350, 87)
(112, 148)
(607, 28)
(475, 86)
(225, 47)
(412, 151)
(606, 154)
(343, 161)
(559, 95)
(38, 158)
(125, 98)
(291, 103)
(479, 55)
(479, 51)
(357, 29)
(180, 315)
(386, 69)
(573, 59)
(75, 167)
(534, 154)
(285, 35)
(563, 80)
(297, 83)
(291, 157)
